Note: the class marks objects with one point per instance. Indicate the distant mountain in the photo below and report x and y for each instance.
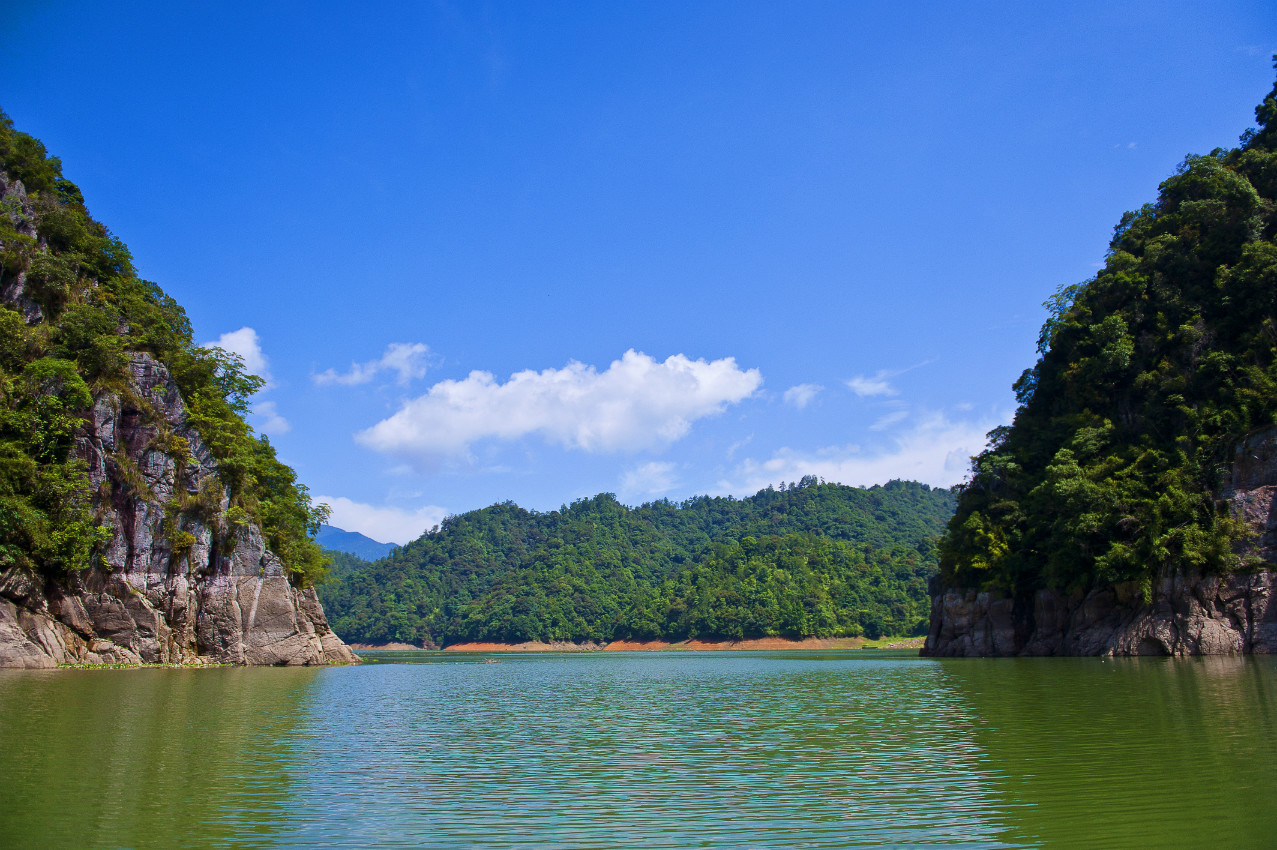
(352, 542)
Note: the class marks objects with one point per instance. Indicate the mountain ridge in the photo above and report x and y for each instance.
(352, 543)
(809, 559)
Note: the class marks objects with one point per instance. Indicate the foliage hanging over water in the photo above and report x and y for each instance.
(93, 312)
(811, 559)
(1151, 374)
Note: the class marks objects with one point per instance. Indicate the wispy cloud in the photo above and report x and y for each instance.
(875, 386)
(386, 524)
(738, 445)
(889, 419)
(936, 451)
(408, 361)
(650, 479)
(801, 395)
(636, 403)
(880, 383)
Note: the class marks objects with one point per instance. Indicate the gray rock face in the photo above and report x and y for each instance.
(15, 204)
(216, 595)
(1188, 614)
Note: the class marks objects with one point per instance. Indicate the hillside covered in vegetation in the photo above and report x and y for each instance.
(807, 560)
(1121, 462)
(75, 309)
(137, 508)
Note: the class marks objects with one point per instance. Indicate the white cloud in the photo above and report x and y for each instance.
(408, 360)
(248, 346)
(887, 420)
(880, 383)
(802, 394)
(936, 451)
(875, 386)
(274, 423)
(389, 525)
(650, 479)
(636, 403)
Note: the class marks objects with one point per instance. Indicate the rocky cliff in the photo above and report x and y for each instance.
(180, 572)
(1189, 613)
(216, 595)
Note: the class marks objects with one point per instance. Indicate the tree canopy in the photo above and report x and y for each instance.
(804, 560)
(1150, 376)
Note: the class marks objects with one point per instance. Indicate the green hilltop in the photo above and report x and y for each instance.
(806, 560)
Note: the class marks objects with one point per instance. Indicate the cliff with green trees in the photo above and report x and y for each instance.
(805, 560)
(1128, 508)
(141, 519)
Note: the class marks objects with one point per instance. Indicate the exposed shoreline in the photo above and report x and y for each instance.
(694, 645)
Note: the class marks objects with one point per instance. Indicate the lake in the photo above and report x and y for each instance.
(575, 750)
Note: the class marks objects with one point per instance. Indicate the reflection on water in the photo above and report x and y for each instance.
(1135, 752)
(658, 750)
(655, 750)
(148, 758)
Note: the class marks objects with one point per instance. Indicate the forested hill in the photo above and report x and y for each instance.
(809, 559)
(1152, 377)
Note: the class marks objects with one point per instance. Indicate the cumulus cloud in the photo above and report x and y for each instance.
(407, 360)
(935, 451)
(636, 403)
(802, 394)
(272, 422)
(385, 524)
(650, 479)
(248, 346)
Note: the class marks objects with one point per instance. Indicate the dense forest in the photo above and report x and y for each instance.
(1151, 376)
(73, 313)
(808, 559)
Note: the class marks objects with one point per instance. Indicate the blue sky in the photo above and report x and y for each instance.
(537, 251)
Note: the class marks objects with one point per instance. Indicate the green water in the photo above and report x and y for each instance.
(678, 750)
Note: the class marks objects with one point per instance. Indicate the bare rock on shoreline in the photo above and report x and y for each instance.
(1191, 614)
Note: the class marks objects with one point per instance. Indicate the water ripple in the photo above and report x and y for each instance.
(664, 750)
